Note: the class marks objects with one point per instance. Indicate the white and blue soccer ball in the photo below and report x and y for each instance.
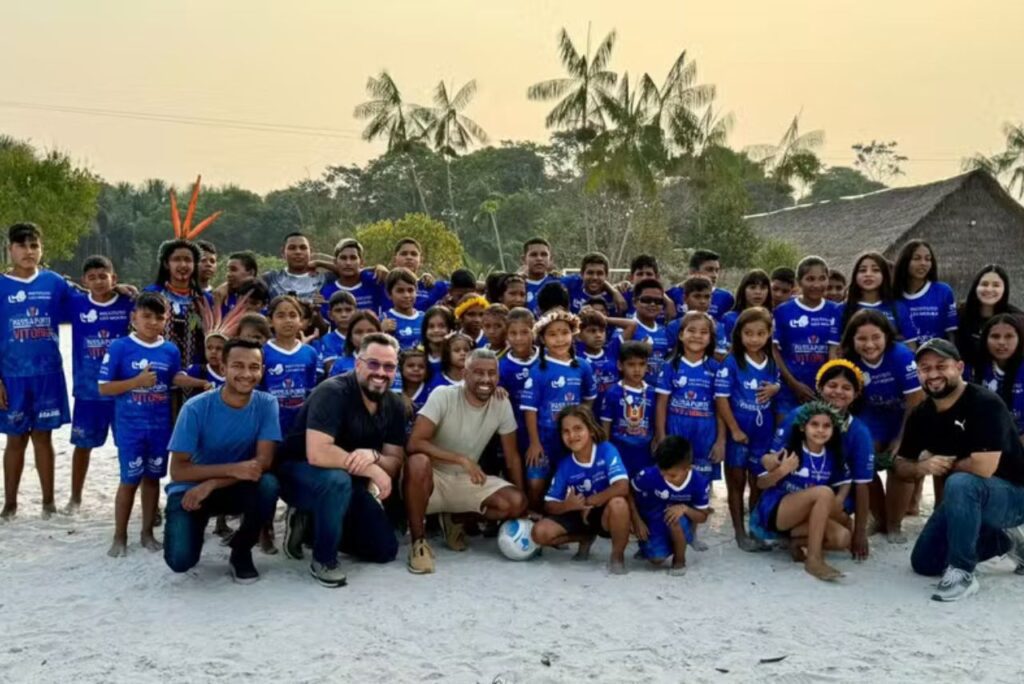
(514, 540)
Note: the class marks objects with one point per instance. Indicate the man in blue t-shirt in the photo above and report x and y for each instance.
(221, 448)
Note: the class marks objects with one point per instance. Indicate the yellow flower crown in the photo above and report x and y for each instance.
(468, 304)
(845, 364)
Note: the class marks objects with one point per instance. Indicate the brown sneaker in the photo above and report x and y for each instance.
(454, 535)
(421, 558)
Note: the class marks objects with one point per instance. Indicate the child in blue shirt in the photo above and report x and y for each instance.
(140, 370)
(362, 323)
(871, 289)
(291, 366)
(412, 368)
(33, 396)
(744, 387)
(803, 490)
(626, 409)
(97, 319)
(594, 345)
(470, 315)
(213, 369)
(514, 367)
(755, 289)
(929, 302)
(342, 307)
(538, 264)
(408, 254)
(592, 281)
(669, 499)
(402, 321)
(352, 278)
(1000, 366)
(438, 323)
(589, 494)
(698, 298)
(649, 301)
(495, 328)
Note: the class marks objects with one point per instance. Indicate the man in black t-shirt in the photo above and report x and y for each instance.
(338, 461)
(965, 434)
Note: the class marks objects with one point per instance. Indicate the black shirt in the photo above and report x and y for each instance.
(978, 421)
(336, 408)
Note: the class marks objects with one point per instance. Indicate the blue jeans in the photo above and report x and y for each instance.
(345, 515)
(967, 527)
(184, 530)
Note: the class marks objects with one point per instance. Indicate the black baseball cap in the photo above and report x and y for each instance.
(940, 346)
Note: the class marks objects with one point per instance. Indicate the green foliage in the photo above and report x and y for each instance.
(879, 161)
(773, 253)
(442, 251)
(47, 190)
(1008, 165)
(841, 181)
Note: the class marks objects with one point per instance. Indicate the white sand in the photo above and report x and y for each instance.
(70, 613)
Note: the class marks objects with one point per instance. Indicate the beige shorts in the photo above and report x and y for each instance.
(455, 493)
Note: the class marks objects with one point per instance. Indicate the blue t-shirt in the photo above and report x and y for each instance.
(369, 294)
(660, 344)
(932, 310)
(578, 296)
(604, 469)
(441, 380)
(94, 326)
(691, 390)
(330, 346)
(858, 447)
(630, 411)
(533, 289)
(726, 326)
(804, 335)
(896, 312)
(31, 310)
(197, 371)
(513, 374)
(814, 470)
(213, 433)
(143, 409)
(886, 385)
(554, 386)
(427, 297)
(289, 376)
(740, 386)
(993, 378)
(343, 363)
(653, 493)
(721, 340)
(721, 301)
(408, 329)
(605, 364)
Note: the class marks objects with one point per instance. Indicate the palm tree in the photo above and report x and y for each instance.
(1009, 162)
(793, 157)
(578, 94)
(402, 124)
(489, 208)
(452, 132)
(679, 95)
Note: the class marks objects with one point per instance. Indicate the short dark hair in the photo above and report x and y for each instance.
(592, 318)
(597, 301)
(553, 294)
(341, 297)
(399, 275)
(784, 274)
(537, 240)
(239, 343)
(648, 284)
(348, 243)
(701, 256)
(97, 262)
(463, 278)
(836, 274)
(206, 246)
(634, 349)
(248, 260)
(643, 261)
(697, 284)
(594, 258)
(673, 450)
(151, 301)
(256, 289)
(22, 232)
(378, 338)
(258, 321)
(408, 241)
(294, 234)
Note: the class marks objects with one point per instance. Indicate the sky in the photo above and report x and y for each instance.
(938, 76)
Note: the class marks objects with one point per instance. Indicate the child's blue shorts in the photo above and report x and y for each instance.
(659, 539)
(38, 402)
(142, 453)
(91, 422)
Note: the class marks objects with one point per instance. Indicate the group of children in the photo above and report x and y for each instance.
(629, 396)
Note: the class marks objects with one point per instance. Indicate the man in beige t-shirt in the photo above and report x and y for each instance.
(442, 474)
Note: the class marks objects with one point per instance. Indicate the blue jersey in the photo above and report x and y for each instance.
(726, 325)
(343, 363)
(653, 493)
(804, 335)
(427, 297)
(94, 326)
(740, 386)
(31, 310)
(721, 301)
(408, 328)
(142, 409)
(434, 365)
(721, 340)
(202, 371)
(932, 310)
(513, 374)
(886, 385)
(587, 479)
(441, 380)
(994, 378)
(578, 296)
(330, 346)
(660, 344)
(629, 411)
(290, 376)
(605, 365)
(690, 387)
(896, 312)
(815, 469)
(554, 386)
(369, 294)
(533, 289)
(858, 447)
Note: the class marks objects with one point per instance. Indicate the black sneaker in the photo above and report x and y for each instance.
(295, 524)
(242, 569)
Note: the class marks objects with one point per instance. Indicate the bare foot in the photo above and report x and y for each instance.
(10, 510)
(583, 551)
(796, 550)
(914, 510)
(267, 543)
(617, 566)
(896, 537)
(698, 545)
(677, 570)
(72, 508)
(822, 570)
(750, 544)
(119, 549)
(148, 541)
(876, 527)
(49, 510)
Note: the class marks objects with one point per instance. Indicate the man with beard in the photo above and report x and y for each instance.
(443, 475)
(338, 461)
(966, 435)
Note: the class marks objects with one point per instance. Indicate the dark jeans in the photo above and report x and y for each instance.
(184, 530)
(968, 525)
(345, 515)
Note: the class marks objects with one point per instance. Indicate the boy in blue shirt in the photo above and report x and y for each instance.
(668, 500)
(33, 396)
(342, 307)
(139, 370)
(97, 319)
(707, 264)
(429, 290)
(538, 264)
(402, 320)
(352, 278)
(627, 409)
(592, 281)
(649, 300)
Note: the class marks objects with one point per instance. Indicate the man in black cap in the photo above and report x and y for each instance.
(966, 435)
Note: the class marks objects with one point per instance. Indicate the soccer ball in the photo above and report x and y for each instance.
(514, 540)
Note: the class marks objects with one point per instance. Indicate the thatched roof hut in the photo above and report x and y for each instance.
(969, 219)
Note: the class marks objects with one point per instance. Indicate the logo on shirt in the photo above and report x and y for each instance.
(17, 297)
(912, 368)
(993, 385)
(723, 372)
(528, 384)
(49, 413)
(750, 384)
(559, 382)
(586, 485)
(801, 322)
(405, 332)
(141, 364)
(681, 381)
(275, 370)
(867, 378)
(32, 311)
(962, 424)
(662, 494)
(523, 375)
(89, 316)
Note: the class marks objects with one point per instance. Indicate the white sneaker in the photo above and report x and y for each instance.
(955, 585)
(1016, 552)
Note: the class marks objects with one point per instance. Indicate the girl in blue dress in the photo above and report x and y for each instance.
(930, 303)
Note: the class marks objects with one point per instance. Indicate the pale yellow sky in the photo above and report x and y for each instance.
(939, 76)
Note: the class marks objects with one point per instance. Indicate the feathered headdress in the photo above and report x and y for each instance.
(183, 230)
(215, 325)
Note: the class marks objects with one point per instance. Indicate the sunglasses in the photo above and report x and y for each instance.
(657, 301)
(376, 366)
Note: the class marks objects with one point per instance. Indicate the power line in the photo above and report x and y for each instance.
(211, 122)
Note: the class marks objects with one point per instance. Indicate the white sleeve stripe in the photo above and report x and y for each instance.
(592, 397)
(911, 390)
(103, 382)
(841, 483)
(659, 390)
(524, 407)
(724, 396)
(868, 481)
(551, 498)
(617, 478)
(701, 508)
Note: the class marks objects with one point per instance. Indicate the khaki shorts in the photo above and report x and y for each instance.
(455, 493)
